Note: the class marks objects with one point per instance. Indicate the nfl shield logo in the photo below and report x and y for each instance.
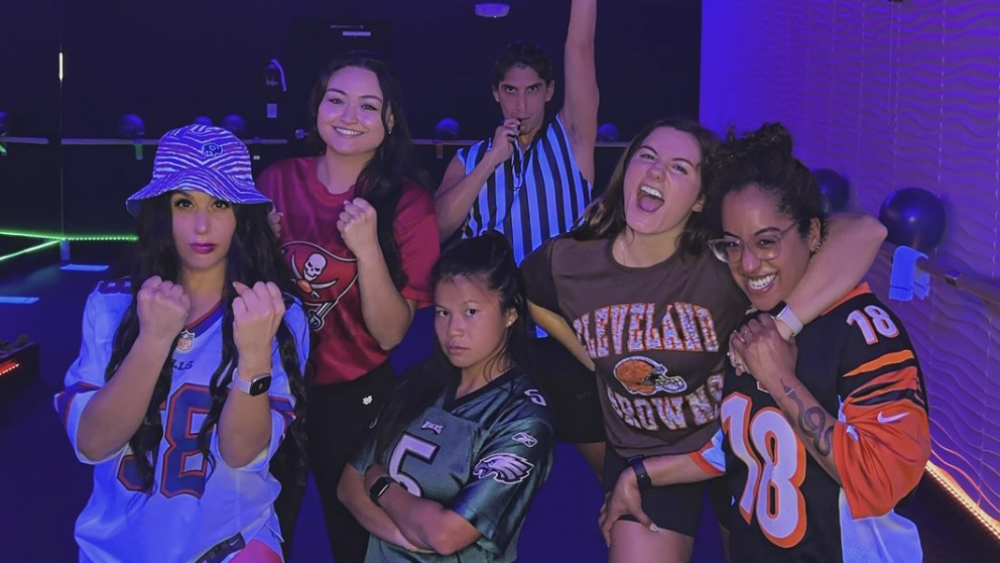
(186, 341)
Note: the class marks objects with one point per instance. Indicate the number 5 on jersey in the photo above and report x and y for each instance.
(410, 445)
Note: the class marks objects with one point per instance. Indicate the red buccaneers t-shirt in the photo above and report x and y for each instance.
(326, 272)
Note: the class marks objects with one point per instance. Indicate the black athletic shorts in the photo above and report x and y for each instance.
(674, 507)
(571, 389)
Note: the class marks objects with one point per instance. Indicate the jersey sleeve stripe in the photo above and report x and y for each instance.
(710, 458)
(881, 362)
(860, 290)
(65, 398)
(903, 385)
(283, 407)
(893, 396)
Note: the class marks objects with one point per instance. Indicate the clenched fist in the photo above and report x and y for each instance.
(257, 314)
(163, 309)
(358, 225)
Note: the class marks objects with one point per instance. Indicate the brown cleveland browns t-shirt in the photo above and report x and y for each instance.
(657, 335)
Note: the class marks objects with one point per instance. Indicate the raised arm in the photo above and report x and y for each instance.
(458, 190)
(245, 424)
(387, 313)
(115, 412)
(581, 96)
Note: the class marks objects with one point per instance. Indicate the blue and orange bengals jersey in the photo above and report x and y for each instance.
(858, 362)
(192, 506)
(483, 456)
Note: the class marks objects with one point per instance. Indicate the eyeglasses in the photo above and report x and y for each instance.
(766, 246)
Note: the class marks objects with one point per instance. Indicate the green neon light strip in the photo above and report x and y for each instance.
(35, 248)
(87, 238)
(71, 238)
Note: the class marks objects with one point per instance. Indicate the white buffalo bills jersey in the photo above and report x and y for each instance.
(192, 506)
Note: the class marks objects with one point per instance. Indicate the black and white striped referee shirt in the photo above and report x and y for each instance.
(535, 195)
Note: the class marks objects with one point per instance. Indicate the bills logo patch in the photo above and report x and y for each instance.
(508, 469)
(525, 438)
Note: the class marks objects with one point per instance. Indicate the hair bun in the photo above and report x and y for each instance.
(771, 137)
(497, 244)
(771, 140)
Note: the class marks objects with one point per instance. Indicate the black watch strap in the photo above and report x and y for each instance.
(379, 488)
(641, 476)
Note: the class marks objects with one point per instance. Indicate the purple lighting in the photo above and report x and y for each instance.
(492, 10)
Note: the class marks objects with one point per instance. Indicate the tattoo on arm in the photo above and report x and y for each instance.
(813, 422)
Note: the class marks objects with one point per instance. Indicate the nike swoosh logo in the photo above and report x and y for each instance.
(887, 419)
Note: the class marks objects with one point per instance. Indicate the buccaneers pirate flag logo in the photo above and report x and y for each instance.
(321, 277)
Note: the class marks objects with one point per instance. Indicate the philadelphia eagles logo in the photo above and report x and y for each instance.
(508, 469)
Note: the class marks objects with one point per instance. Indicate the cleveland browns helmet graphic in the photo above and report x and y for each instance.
(321, 277)
(643, 376)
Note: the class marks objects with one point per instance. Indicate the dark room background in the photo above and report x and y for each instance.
(170, 62)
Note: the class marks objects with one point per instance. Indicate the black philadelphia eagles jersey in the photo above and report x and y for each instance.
(858, 362)
(484, 456)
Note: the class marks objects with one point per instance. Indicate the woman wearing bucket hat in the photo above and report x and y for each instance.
(359, 234)
(189, 373)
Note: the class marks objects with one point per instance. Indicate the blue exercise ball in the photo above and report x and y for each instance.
(131, 126)
(915, 217)
(203, 120)
(5, 125)
(235, 124)
(447, 128)
(607, 133)
(833, 188)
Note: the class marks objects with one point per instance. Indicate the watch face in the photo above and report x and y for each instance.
(260, 385)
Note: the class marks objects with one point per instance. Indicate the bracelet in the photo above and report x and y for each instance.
(788, 317)
(379, 488)
(641, 476)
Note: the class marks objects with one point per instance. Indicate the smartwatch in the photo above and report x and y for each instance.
(641, 477)
(789, 318)
(256, 386)
(379, 488)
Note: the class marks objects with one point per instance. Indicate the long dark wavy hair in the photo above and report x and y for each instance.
(604, 218)
(381, 180)
(489, 260)
(253, 256)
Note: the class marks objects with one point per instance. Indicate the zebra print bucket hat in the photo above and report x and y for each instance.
(200, 158)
